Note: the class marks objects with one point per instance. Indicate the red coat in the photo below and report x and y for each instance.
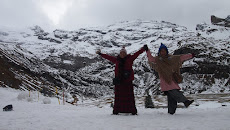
(128, 64)
(124, 96)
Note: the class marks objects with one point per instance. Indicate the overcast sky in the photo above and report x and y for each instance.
(74, 14)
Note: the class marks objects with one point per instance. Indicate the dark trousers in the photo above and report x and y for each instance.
(174, 96)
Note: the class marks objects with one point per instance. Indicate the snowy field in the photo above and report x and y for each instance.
(33, 114)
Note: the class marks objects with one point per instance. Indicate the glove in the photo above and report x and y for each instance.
(146, 47)
(98, 52)
(193, 55)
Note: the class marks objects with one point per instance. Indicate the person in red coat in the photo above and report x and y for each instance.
(124, 75)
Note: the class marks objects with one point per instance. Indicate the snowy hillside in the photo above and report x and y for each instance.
(67, 59)
(34, 114)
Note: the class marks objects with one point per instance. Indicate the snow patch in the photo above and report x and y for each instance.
(23, 95)
(46, 100)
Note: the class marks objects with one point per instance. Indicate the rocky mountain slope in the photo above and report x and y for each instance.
(35, 59)
(220, 21)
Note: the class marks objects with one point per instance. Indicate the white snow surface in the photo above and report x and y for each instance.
(35, 115)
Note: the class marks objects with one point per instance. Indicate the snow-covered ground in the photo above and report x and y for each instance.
(33, 114)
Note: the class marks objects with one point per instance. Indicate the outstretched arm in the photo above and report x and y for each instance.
(108, 57)
(135, 55)
(150, 57)
(185, 57)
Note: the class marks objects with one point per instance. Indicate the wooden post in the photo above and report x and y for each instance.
(63, 96)
(57, 96)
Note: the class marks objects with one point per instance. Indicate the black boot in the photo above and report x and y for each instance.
(115, 113)
(171, 113)
(188, 102)
(134, 113)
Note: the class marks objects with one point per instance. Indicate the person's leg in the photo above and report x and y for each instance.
(179, 97)
(131, 100)
(117, 99)
(172, 104)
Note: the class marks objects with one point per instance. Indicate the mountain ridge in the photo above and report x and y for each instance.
(67, 59)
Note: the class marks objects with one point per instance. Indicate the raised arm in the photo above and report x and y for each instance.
(108, 57)
(135, 55)
(185, 57)
(150, 57)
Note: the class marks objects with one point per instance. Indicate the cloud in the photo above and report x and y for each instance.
(104, 12)
(16, 13)
(55, 9)
(73, 14)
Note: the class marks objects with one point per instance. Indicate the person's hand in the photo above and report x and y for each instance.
(146, 47)
(98, 52)
(193, 55)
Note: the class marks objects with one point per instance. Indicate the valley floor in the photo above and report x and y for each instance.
(35, 115)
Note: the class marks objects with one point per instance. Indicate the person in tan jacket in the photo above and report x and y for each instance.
(166, 65)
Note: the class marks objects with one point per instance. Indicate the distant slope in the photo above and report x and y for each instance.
(67, 59)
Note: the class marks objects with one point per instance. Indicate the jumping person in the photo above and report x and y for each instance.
(124, 75)
(166, 65)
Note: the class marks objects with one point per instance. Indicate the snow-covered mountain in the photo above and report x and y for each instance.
(42, 60)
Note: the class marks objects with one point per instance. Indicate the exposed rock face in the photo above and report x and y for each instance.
(7, 77)
(221, 22)
(228, 18)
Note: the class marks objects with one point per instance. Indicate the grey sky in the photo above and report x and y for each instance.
(73, 14)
